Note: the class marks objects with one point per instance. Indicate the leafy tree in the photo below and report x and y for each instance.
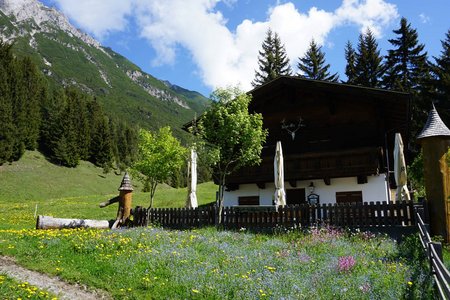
(313, 66)
(369, 64)
(272, 61)
(350, 57)
(235, 136)
(160, 155)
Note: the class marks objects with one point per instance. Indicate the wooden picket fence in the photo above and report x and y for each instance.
(433, 251)
(367, 214)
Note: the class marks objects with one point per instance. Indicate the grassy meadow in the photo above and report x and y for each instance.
(156, 263)
(153, 263)
(33, 186)
(22, 290)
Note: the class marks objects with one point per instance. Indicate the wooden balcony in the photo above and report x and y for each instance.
(321, 165)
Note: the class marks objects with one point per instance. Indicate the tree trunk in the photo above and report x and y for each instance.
(46, 222)
(152, 193)
(221, 192)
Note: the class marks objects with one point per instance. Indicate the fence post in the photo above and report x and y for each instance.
(437, 247)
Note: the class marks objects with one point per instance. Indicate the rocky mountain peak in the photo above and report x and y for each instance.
(44, 17)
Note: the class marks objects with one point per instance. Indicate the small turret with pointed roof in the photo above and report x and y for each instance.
(126, 183)
(434, 126)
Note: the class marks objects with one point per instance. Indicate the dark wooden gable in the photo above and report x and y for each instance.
(342, 130)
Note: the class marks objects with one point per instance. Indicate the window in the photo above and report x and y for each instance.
(295, 196)
(248, 200)
(349, 197)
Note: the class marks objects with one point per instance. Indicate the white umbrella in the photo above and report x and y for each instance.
(192, 181)
(400, 170)
(280, 194)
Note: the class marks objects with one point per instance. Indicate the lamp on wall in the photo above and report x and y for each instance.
(311, 187)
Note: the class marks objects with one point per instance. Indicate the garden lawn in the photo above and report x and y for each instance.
(153, 263)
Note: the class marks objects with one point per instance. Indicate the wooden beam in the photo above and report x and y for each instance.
(261, 185)
(231, 187)
(361, 179)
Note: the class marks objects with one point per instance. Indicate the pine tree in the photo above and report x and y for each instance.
(113, 131)
(33, 92)
(313, 66)
(52, 110)
(407, 62)
(272, 61)
(78, 115)
(369, 67)
(17, 92)
(101, 145)
(440, 83)
(350, 57)
(6, 108)
(407, 70)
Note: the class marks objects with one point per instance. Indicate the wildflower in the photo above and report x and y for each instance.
(410, 283)
(271, 269)
(195, 291)
(346, 263)
(365, 287)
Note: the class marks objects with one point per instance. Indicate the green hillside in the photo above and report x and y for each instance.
(73, 192)
(122, 88)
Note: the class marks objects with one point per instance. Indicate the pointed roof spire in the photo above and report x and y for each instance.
(434, 126)
(126, 183)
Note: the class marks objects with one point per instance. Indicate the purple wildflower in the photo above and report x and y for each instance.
(346, 263)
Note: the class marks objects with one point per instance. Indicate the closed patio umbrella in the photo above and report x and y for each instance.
(192, 181)
(280, 194)
(400, 170)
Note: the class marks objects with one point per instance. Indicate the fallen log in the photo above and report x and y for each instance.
(47, 222)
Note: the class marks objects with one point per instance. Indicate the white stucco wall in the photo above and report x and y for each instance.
(374, 190)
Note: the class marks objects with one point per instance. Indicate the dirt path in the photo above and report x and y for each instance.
(55, 285)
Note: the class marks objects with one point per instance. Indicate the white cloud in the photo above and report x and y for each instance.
(373, 14)
(97, 17)
(224, 55)
(424, 18)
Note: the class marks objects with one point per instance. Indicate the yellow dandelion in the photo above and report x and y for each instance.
(195, 291)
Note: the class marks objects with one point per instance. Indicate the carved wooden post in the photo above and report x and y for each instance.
(124, 199)
(125, 192)
(435, 141)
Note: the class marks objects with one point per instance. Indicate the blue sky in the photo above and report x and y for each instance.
(204, 44)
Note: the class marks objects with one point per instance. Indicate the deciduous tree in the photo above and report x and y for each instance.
(159, 156)
(234, 135)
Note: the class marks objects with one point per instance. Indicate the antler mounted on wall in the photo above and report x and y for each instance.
(292, 127)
